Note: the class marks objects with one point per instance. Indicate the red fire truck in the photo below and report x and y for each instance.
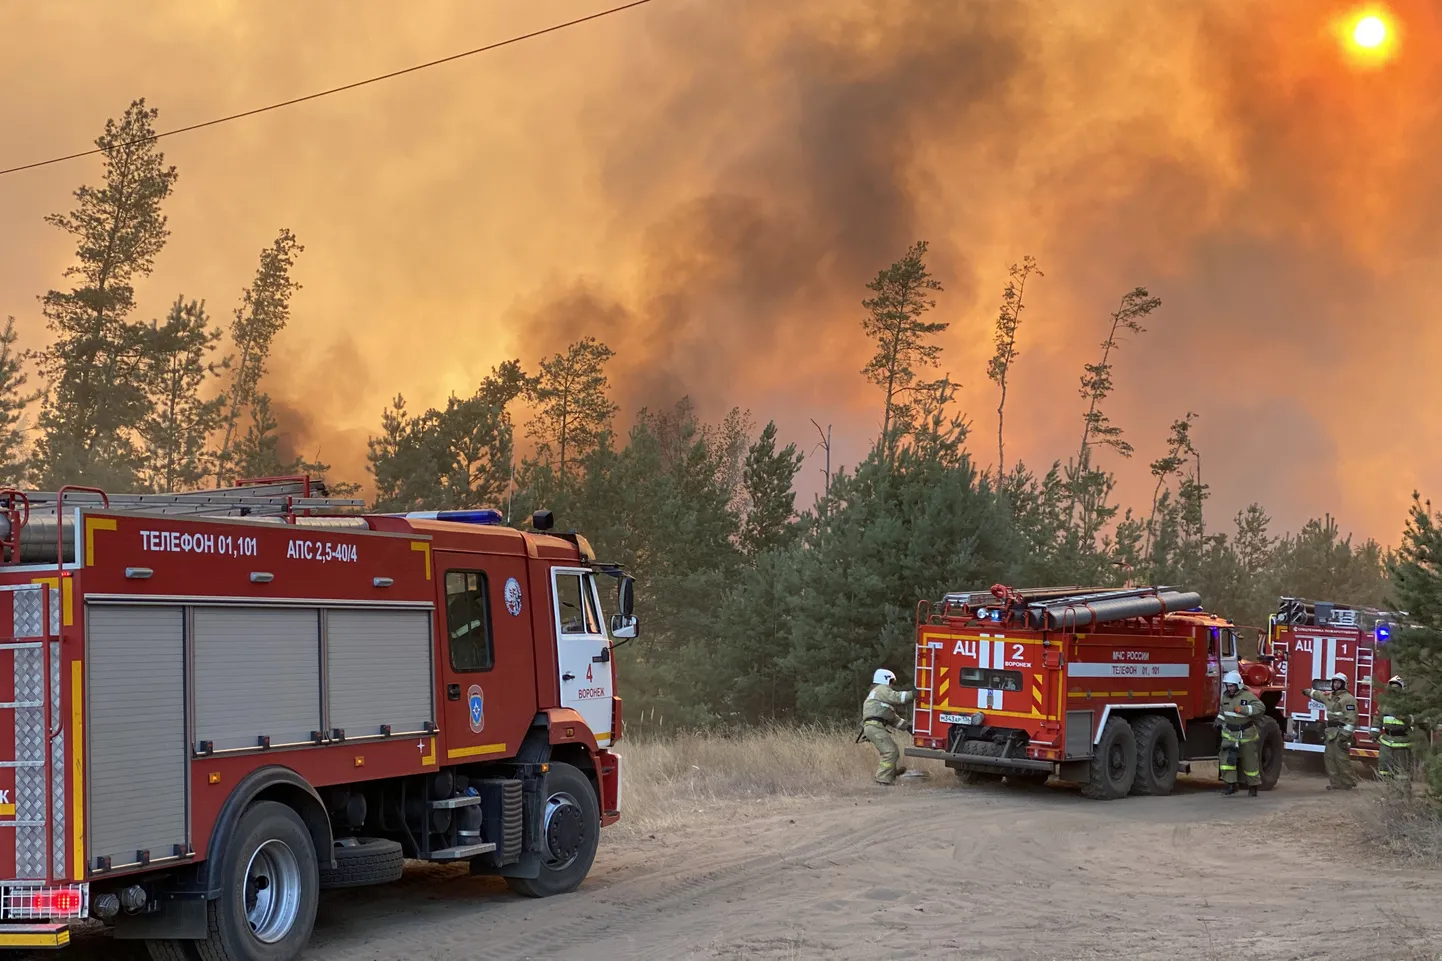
(1309, 641)
(1116, 690)
(214, 704)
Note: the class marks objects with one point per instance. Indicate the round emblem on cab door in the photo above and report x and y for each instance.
(476, 707)
(513, 596)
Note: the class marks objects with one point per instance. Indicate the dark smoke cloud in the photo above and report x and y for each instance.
(707, 186)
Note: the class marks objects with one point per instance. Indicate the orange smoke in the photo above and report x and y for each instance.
(706, 187)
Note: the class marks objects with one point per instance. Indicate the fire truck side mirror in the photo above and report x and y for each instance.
(624, 627)
(626, 595)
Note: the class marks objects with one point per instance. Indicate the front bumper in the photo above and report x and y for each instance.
(34, 936)
(981, 760)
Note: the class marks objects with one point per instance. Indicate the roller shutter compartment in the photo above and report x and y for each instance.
(378, 671)
(257, 673)
(136, 792)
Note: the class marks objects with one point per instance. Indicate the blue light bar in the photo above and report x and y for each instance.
(480, 516)
(1384, 633)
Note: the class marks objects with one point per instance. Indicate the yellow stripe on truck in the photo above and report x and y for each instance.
(35, 939)
(479, 749)
(77, 766)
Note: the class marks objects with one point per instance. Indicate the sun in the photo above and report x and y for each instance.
(1370, 37)
(1370, 32)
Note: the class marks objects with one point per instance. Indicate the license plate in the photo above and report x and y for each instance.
(956, 718)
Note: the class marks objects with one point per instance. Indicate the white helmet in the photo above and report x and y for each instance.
(882, 676)
(1339, 676)
(1397, 679)
(1234, 678)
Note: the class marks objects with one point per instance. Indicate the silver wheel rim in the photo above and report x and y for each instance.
(272, 891)
(561, 808)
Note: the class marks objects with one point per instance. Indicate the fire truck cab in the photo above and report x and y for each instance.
(1308, 642)
(215, 704)
(1116, 690)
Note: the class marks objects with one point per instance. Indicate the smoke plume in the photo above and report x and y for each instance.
(707, 186)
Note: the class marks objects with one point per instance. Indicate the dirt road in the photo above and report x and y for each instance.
(935, 871)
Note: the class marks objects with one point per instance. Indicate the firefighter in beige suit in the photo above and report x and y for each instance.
(1341, 709)
(1240, 758)
(879, 715)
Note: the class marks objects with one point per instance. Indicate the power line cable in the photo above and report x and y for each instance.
(326, 93)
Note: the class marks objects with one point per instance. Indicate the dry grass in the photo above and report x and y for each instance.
(670, 780)
(1404, 827)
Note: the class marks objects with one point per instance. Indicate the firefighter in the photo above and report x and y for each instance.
(1341, 709)
(878, 716)
(1394, 757)
(1241, 750)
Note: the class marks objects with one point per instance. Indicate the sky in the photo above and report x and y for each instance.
(707, 185)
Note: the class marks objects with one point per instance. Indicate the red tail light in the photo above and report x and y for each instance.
(25, 902)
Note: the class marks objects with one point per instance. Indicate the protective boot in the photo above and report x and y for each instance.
(1229, 790)
(1251, 790)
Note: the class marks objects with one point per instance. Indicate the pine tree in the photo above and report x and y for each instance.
(14, 400)
(257, 452)
(1091, 487)
(95, 370)
(767, 478)
(1180, 449)
(181, 419)
(263, 313)
(1416, 645)
(1008, 321)
(448, 459)
(894, 322)
(573, 408)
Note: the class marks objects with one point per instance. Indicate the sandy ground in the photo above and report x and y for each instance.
(934, 870)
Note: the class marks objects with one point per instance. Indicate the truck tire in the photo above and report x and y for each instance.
(1114, 765)
(363, 861)
(570, 834)
(270, 885)
(1272, 750)
(169, 950)
(976, 775)
(1158, 755)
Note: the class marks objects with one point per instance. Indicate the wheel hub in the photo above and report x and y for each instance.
(272, 891)
(1116, 761)
(565, 831)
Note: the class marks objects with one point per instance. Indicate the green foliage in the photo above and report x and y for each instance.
(1416, 646)
(180, 420)
(448, 459)
(894, 322)
(770, 522)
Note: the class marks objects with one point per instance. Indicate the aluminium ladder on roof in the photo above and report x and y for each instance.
(252, 500)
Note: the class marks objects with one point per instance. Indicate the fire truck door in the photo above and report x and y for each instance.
(1230, 660)
(583, 651)
(487, 667)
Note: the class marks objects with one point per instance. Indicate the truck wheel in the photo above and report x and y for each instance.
(1272, 751)
(1114, 766)
(363, 861)
(269, 889)
(570, 833)
(1158, 755)
(972, 775)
